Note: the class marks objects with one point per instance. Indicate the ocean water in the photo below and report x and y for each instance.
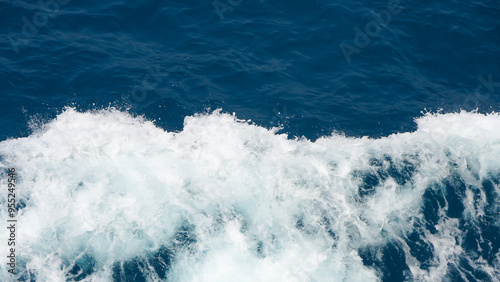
(235, 140)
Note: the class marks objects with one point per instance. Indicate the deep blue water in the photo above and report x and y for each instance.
(312, 67)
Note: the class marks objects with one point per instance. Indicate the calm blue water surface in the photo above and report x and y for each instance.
(312, 67)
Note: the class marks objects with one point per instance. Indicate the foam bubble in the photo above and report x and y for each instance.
(109, 196)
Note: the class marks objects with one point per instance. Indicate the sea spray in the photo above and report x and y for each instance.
(105, 195)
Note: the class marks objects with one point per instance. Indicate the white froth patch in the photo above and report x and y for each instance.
(261, 207)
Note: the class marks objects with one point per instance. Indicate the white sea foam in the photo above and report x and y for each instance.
(257, 206)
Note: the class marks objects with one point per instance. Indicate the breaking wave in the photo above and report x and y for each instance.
(106, 196)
